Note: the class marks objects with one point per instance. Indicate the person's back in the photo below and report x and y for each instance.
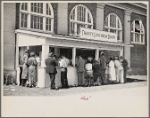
(103, 62)
(96, 68)
(51, 64)
(32, 61)
(118, 64)
(81, 65)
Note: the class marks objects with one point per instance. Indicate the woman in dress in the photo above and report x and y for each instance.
(32, 62)
(112, 71)
(24, 75)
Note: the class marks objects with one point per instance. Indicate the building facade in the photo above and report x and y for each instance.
(117, 29)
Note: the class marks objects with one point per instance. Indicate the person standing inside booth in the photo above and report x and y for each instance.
(51, 64)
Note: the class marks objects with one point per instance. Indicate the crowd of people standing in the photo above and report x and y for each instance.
(90, 72)
(29, 69)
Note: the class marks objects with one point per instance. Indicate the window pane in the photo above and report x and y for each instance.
(22, 7)
(23, 20)
(36, 22)
(137, 26)
(89, 19)
(137, 37)
(89, 26)
(132, 27)
(73, 15)
(106, 22)
(31, 6)
(142, 38)
(113, 21)
(48, 24)
(37, 7)
(78, 27)
(119, 35)
(25, 6)
(32, 21)
(81, 13)
(112, 30)
(72, 26)
(142, 29)
(132, 36)
(118, 23)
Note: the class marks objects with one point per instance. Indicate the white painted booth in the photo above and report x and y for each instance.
(29, 38)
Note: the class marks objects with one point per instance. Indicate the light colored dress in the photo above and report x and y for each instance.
(112, 71)
(24, 67)
(32, 71)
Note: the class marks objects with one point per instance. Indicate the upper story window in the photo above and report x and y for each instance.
(37, 16)
(80, 16)
(113, 24)
(137, 32)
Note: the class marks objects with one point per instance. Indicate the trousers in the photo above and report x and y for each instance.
(80, 78)
(52, 79)
(64, 80)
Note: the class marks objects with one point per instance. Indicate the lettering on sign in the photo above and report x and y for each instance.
(97, 35)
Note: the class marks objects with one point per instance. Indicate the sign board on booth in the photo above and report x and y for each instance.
(97, 35)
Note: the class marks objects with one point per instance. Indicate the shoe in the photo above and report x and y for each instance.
(56, 88)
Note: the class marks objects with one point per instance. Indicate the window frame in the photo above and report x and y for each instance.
(44, 16)
(133, 41)
(76, 22)
(108, 27)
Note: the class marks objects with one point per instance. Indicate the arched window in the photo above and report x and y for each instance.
(80, 16)
(137, 32)
(37, 16)
(113, 24)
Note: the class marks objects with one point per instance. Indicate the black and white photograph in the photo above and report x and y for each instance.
(75, 58)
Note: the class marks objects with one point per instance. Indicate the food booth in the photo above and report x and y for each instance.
(89, 40)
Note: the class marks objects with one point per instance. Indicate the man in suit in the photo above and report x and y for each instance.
(51, 64)
(125, 67)
(80, 69)
(103, 62)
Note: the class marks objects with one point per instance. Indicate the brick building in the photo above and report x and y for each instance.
(118, 29)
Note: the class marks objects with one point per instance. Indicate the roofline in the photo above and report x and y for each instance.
(138, 5)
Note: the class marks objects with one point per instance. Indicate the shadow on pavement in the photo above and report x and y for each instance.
(128, 80)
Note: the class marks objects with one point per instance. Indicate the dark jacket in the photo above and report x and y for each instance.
(103, 62)
(51, 64)
(125, 64)
(96, 68)
(81, 65)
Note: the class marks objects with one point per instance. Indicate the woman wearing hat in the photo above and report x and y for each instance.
(24, 75)
(32, 62)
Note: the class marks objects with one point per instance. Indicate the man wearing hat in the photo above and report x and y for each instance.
(51, 64)
(125, 67)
